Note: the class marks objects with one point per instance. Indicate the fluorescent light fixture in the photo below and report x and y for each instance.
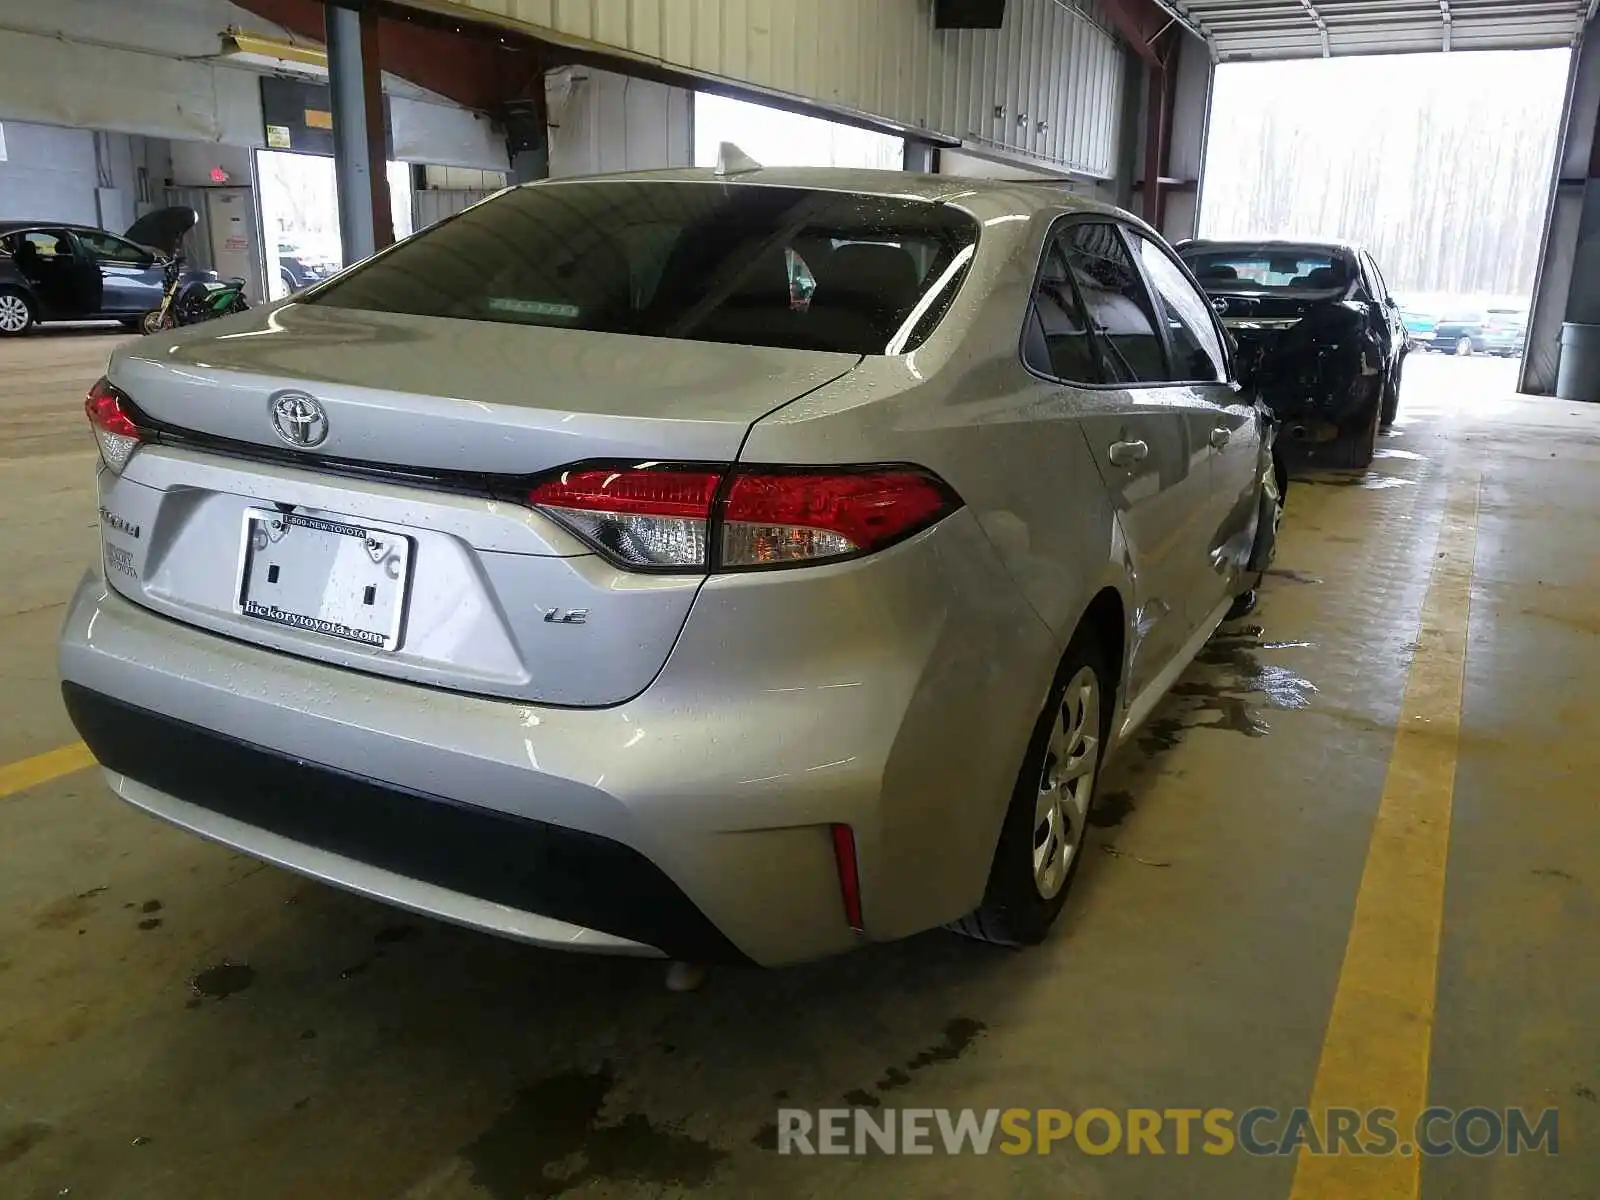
(274, 54)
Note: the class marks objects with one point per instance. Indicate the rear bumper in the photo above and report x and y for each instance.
(694, 820)
(523, 878)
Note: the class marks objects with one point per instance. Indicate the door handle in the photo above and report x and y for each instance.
(1125, 454)
(1220, 436)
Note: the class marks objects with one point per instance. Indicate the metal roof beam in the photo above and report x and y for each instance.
(1322, 26)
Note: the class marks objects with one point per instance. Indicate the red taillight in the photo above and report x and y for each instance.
(667, 517)
(645, 516)
(795, 516)
(844, 857)
(104, 407)
(114, 429)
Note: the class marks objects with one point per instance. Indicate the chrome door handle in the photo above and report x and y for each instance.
(1220, 436)
(1125, 454)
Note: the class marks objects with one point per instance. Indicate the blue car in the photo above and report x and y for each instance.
(56, 271)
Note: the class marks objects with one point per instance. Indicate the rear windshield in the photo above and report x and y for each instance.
(718, 262)
(1267, 268)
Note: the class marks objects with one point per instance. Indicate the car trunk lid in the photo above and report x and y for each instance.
(397, 544)
(469, 396)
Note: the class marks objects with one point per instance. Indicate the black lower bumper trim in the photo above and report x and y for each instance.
(528, 865)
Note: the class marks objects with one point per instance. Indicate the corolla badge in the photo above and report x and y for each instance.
(299, 419)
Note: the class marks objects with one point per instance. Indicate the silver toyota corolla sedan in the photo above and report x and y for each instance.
(726, 567)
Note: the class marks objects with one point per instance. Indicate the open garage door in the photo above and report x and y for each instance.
(1438, 170)
(1241, 32)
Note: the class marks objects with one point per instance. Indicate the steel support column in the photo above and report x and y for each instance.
(920, 156)
(359, 135)
(1157, 129)
(1568, 284)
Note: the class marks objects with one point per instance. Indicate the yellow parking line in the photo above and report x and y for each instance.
(41, 768)
(1375, 1051)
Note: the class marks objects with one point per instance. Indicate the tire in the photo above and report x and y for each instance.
(1358, 449)
(1464, 347)
(1391, 395)
(151, 322)
(288, 281)
(17, 314)
(1042, 840)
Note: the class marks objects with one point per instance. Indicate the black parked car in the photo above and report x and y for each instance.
(55, 271)
(1318, 334)
(298, 268)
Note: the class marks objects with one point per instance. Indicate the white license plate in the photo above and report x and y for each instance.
(330, 577)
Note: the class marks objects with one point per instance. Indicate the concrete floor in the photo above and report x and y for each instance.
(176, 1020)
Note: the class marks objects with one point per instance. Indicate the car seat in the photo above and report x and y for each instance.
(864, 292)
(26, 256)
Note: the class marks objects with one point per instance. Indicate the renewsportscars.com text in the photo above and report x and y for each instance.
(1215, 1131)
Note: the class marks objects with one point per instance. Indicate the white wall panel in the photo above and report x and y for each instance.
(600, 121)
(41, 79)
(1051, 62)
(428, 131)
(431, 205)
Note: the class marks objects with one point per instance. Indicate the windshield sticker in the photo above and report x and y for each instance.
(534, 308)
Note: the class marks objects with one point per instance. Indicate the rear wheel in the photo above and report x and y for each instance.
(16, 312)
(1391, 394)
(1042, 839)
(1358, 449)
(1464, 347)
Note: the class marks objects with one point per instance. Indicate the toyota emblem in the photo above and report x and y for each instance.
(299, 419)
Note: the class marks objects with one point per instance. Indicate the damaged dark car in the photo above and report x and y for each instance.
(1317, 335)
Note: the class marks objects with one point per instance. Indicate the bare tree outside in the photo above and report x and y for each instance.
(1438, 163)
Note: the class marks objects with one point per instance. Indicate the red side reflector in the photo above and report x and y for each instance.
(844, 857)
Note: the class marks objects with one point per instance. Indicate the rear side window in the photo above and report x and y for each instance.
(1057, 341)
(1118, 306)
(1197, 355)
(721, 262)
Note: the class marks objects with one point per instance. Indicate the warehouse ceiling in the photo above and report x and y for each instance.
(1244, 30)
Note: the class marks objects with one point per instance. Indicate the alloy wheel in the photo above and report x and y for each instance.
(14, 314)
(1464, 346)
(1066, 783)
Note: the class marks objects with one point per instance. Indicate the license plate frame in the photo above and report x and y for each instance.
(381, 568)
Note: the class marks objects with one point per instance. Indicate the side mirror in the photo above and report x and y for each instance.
(1390, 302)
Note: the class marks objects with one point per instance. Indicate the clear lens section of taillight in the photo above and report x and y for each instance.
(657, 516)
(108, 411)
(645, 516)
(775, 517)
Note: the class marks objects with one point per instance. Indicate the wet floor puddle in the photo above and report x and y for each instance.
(1231, 686)
(1393, 452)
(1373, 481)
(223, 980)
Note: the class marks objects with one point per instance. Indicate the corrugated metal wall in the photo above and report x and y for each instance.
(431, 205)
(1048, 84)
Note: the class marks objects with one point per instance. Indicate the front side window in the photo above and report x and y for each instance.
(719, 262)
(1197, 355)
(113, 249)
